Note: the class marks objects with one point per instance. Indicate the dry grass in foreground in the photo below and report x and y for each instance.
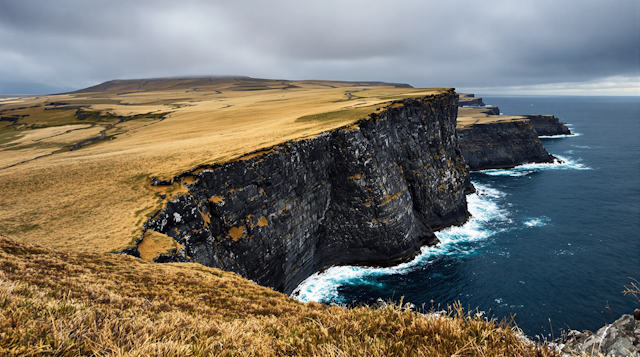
(69, 304)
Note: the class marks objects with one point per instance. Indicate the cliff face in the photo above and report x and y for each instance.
(499, 145)
(547, 125)
(371, 192)
(470, 100)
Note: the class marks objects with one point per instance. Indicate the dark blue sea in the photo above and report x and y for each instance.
(552, 244)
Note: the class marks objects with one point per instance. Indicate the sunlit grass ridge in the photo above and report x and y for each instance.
(69, 304)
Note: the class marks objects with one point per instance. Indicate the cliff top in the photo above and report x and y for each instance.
(471, 116)
(95, 198)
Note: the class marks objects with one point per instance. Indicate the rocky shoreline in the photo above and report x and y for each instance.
(621, 338)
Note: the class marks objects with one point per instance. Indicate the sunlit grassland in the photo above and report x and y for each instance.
(68, 304)
(97, 198)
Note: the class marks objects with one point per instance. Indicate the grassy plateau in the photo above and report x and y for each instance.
(96, 198)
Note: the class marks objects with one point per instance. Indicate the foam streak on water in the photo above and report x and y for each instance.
(485, 211)
(559, 136)
(523, 170)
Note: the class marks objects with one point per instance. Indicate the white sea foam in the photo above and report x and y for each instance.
(559, 136)
(526, 169)
(483, 206)
(537, 222)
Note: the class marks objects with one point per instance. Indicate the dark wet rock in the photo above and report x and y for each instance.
(129, 251)
(157, 182)
(173, 256)
(500, 145)
(493, 110)
(617, 339)
(547, 125)
(369, 193)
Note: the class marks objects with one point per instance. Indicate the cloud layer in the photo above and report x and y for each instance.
(468, 44)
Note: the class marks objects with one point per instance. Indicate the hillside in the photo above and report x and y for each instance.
(96, 197)
(68, 304)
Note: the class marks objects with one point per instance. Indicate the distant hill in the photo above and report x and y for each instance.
(239, 83)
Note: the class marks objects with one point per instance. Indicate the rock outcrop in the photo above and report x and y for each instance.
(470, 100)
(501, 144)
(371, 192)
(547, 125)
(617, 339)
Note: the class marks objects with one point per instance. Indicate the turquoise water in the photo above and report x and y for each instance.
(552, 244)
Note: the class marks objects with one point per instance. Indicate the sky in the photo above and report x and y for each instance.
(538, 47)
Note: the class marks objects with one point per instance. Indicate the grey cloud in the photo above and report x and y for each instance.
(77, 43)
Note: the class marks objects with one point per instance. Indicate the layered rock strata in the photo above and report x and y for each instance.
(547, 125)
(500, 145)
(371, 192)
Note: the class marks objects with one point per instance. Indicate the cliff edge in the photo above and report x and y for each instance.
(369, 192)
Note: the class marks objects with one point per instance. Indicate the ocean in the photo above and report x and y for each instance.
(550, 245)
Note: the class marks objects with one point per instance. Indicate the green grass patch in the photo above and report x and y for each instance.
(7, 136)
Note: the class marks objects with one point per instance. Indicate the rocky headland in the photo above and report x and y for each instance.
(371, 192)
(547, 125)
(489, 140)
(501, 145)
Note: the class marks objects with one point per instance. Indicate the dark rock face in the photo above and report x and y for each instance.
(547, 125)
(372, 192)
(501, 145)
(129, 251)
(470, 100)
(617, 339)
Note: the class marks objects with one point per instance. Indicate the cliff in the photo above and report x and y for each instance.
(370, 192)
(470, 100)
(501, 144)
(547, 125)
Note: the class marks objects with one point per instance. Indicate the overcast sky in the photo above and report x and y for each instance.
(490, 46)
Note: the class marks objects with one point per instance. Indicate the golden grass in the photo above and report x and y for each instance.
(69, 304)
(154, 244)
(97, 198)
(29, 144)
(470, 116)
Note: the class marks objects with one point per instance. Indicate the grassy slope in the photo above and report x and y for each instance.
(67, 304)
(96, 199)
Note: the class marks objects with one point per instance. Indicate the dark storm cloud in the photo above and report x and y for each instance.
(425, 43)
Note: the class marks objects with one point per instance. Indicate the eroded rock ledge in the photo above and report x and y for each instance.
(501, 145)
(547, 125)
(371, 192)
